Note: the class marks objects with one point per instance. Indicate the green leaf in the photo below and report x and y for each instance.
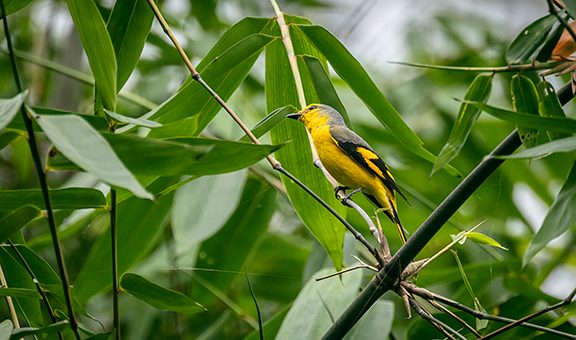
(484, 239)
(195, 216)
(543, 150)
(526, 45)
(157, 296)
(560, 218)
(134, 121)
(270, 327)
(98, 47)
(270, 121)
(129, 25)
(84, 146)
(296, 157)
(17, 219)
(243, 229)
(352, 72)
(549, 106)
(321, 302)
(67, 198)
(525, 99)
(529, 120)
(323, 86)
(140, 225)
(6, 328)
(19, 292)
(224, 74)
(13, 6)
(50, 329)
(375, 324)
(479, 91)
(9, 108)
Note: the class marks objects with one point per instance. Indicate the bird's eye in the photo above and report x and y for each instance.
(312, 107)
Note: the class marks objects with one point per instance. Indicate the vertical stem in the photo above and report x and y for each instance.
(9, 301)
(115, 285)
(43, 185)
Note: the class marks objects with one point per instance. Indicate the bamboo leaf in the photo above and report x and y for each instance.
(526, 45)
(549, 106)
(134, 121)
(6, 328)
(67, 198)
(323, 86)
(270, 121)
(479, 91)
(128, 25)
(543, 150)
(560, 218)
(83, 145)
(98, 47)
(13, 6)
(571, 7)
(296, 157)
(49, 329)
(484, 239)
(157, 296)
(178, 156)
(16, 219)
(529, 120)
(19, 292)
(314, 300)
(9, 108)
(525, 99)
(352, 72)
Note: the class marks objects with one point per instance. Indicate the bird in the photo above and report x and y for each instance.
(350, 160)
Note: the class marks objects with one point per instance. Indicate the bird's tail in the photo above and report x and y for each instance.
(392, 214)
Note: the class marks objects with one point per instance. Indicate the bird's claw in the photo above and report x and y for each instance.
(338, 189)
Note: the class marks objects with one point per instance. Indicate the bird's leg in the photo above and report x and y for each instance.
(355, 191)
(340, 188)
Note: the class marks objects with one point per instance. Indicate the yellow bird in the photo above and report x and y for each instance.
(350, 160)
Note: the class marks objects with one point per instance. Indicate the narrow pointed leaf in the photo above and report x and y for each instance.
(319, 301)
(560, 218)
(525, 99)
(134, 121)
(323, 86)
(296, 157)
(157, 296)
(17, 219)
(479, 91)
(49, 329)
(129, 25)
(13, 6)
(9, 108)
(68, 198)
(484, 239)
(88, 149)
(549, 106)
(529, 120)
(530, 40)
(178, 156)
(98, 47)
(270, 121)
(19, 292)
(352, 72)
(543, 150)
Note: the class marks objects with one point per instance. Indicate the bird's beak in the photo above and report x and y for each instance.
(296, 115)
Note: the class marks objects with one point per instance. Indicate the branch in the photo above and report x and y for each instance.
(388, 276)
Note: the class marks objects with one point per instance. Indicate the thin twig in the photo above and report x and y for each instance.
(454, 316)
(9, 301)
(115, 283)
(562, 303)
(496, 69)
(441, 326)
(430, 296)
(32, 144)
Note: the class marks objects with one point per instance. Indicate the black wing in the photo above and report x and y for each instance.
(364, 155)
